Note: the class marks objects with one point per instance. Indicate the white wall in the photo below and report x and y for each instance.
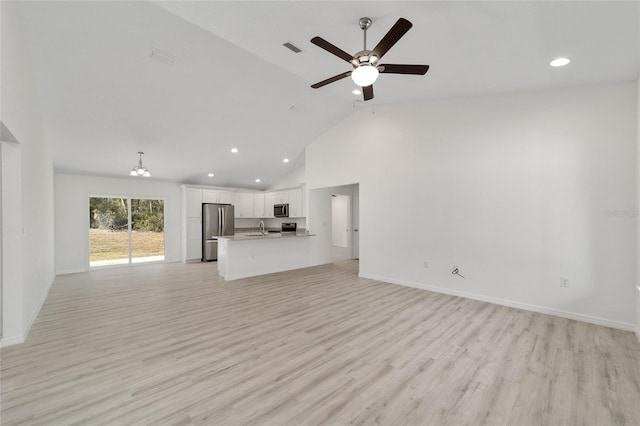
(319, 223)
(28, 249)
(517, 190)
(638, 312)
(293, 179)
(638, 206)
(12, 325)
(72, 214)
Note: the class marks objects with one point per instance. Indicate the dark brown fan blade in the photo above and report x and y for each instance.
(396, 32)
(404, 69)
(320, 42)
(367, 92)
(331, 80)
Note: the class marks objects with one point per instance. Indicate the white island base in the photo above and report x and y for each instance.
(241, 257)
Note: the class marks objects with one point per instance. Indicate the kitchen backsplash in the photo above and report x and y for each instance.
(271, 223)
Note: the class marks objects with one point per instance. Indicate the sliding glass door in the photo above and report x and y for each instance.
(147, 230)
(124, 230)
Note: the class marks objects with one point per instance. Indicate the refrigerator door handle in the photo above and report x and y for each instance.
(219, 220)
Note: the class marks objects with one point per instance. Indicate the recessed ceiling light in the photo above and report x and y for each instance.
(356, 92)
(257, 180)
(234, 150)
(286, 160)
(560, 62)
(210, 175)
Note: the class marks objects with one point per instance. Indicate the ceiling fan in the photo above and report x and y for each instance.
(366, 66)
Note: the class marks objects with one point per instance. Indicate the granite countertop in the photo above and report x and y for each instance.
(245, 236)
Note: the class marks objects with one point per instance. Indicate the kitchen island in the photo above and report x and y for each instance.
(252, 254)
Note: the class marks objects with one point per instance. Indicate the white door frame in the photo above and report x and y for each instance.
(355, 226)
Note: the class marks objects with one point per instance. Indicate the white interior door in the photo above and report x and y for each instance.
(355, 224)
(340, 220)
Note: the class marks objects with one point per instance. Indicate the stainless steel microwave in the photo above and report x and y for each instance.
(281, 210)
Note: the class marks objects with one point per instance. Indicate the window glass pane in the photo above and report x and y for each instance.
(147, 230)
(108, 231)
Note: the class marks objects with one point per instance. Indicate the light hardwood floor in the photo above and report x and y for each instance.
(173, 344)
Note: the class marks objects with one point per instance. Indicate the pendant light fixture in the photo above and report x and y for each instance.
(139, 170)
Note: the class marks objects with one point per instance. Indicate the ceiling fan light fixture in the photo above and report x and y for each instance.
(364, 75)
(366, 62)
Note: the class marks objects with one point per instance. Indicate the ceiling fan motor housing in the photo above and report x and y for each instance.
(363, 57)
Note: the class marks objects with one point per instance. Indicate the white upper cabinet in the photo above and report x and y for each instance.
(193, 202)
(243, 204)
(258, 205)
(237, 201)
(269, 198)
(225, 197)
(217, 196)
(281, 197)
(247, 204)
(295, 203)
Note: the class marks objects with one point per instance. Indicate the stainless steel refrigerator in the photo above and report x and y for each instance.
(217, 220)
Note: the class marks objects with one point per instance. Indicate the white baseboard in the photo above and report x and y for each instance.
(638, 313)
(70, 271)
(14, 340)
(510, 303)
(35, 313)
(11, 340)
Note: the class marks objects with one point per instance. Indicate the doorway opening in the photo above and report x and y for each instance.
(340, 227)
(345, 219)
(125, 230)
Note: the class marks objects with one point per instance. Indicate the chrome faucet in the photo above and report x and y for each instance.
(261, 227)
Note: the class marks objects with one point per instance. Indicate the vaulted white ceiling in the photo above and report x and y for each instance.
(233, 84)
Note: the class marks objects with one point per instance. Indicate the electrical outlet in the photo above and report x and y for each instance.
(426, 265)
(564, 282)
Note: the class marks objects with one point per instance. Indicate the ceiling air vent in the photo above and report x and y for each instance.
(161, 56)
(292, 47)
